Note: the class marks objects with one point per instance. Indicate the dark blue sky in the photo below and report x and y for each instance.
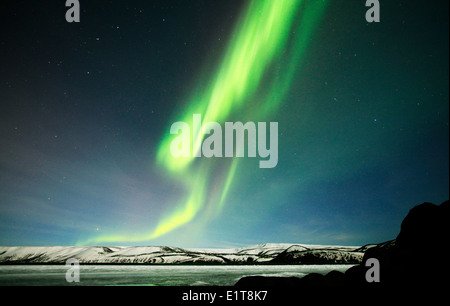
(364, 132)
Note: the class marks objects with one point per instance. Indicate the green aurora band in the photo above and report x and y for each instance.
(258, 68)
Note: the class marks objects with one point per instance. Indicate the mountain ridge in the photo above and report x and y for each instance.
(256, 254)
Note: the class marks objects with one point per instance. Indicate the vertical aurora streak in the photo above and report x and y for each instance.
(271, 35)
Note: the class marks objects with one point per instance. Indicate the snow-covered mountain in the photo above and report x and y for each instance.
(258, 254)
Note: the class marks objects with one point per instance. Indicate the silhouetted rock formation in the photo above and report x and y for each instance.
(268, 281)
(415, 259)
(417, 256)
(332, 279)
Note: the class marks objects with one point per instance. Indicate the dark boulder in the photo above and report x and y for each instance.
(417, 256)
(332, 279)
(415, 260)
(268, 282)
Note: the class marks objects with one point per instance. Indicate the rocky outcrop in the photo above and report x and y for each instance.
(416, 258)
(417, 255)
(333, 279)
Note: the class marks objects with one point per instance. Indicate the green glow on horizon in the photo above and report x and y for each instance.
(258, 42)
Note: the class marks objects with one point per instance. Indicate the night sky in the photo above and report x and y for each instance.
(86, 110)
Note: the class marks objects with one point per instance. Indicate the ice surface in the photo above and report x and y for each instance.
(139, 275)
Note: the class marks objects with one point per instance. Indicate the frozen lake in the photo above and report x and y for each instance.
(131, 275)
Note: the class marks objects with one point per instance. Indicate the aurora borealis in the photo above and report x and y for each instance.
(260, 36)
(87, 109)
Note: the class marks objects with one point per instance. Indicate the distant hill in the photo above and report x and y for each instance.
(258, 254)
